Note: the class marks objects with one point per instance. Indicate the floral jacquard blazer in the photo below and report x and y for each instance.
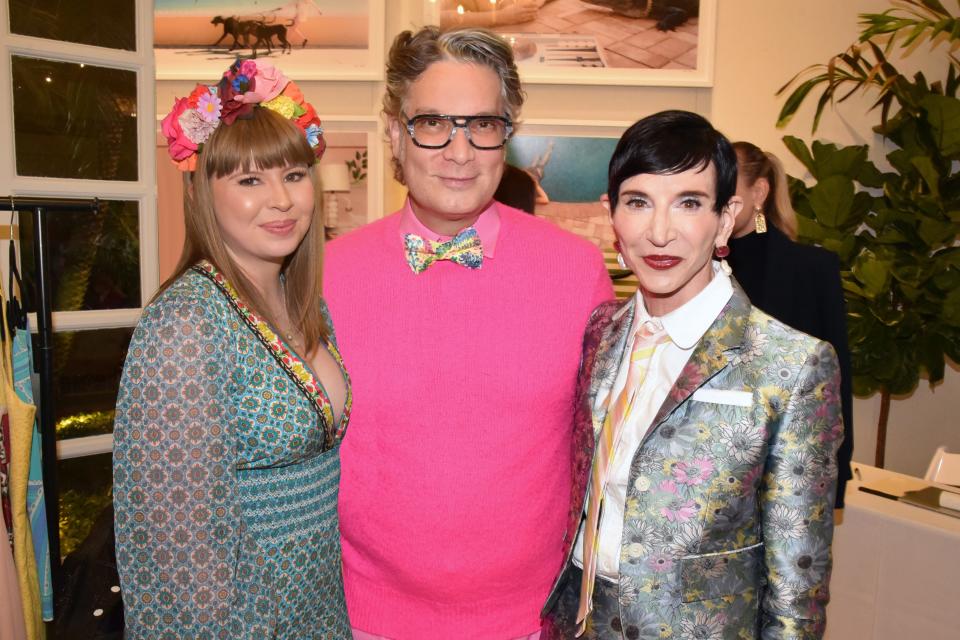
(729, 507)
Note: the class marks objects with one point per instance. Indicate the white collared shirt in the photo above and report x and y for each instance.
(685, 325)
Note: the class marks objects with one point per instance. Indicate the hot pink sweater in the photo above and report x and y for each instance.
(456, 462)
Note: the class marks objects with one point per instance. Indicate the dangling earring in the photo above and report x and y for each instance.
(722, 252)
(620, 261)
(760, 220)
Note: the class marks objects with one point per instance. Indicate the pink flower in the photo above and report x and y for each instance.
(678, 511)
(248, 68)
(179, 145)
(694, 472)
(660, 562)
(835, 432)
(208, 106)
(195, 127)
(267, 84)
(667, 486)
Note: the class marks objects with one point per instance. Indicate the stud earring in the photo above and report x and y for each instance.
(722, 252)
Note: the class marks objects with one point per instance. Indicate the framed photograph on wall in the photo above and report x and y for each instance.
(568, 163)
(309, 39)
(634, 42)
(351, 174)
(351, 177)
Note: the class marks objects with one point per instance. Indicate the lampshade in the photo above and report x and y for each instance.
(334, 177)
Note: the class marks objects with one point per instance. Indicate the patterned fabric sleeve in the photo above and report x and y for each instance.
(177, 525)
(797, 505)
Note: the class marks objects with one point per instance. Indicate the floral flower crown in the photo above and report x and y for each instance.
(245, 85)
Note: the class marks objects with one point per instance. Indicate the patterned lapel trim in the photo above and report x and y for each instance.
(613, 341)
(288, 360)
(709, 356)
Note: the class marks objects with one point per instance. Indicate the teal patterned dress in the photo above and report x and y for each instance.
(226, 469)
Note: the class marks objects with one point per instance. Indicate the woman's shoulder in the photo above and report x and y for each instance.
(191, 297)
(766, 332)
(809, 256)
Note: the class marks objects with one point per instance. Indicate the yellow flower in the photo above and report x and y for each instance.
(774, 399)
(282, 105)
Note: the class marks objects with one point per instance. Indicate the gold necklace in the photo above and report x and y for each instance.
(288, 334)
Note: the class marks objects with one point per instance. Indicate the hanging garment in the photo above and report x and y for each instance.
(21, 415)
(11, 611)
(36, 506)
(5, 477)
(89, 604)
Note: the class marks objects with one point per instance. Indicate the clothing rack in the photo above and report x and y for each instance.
(43, 357)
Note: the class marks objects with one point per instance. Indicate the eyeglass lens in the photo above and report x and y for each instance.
(435, 131)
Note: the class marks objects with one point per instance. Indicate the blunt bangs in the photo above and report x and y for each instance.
(266, 140)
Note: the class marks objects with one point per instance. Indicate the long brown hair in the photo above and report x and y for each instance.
(266, 140)
(754, 163)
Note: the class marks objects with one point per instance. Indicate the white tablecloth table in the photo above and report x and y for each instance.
(896, 572)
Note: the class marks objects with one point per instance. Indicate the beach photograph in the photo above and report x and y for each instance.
(324, 38)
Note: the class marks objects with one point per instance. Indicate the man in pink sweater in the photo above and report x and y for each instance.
(460, 320)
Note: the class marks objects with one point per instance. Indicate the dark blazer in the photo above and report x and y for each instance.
(800, 286)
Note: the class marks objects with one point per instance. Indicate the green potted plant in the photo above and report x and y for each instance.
(895, 231)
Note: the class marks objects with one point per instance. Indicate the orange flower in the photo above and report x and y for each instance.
(194, 97)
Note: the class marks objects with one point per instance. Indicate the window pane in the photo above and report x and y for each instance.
(73, 120)
(94, 258)
(102, 23)
(85, 486)
(86, 376)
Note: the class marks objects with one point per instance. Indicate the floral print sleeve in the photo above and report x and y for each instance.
(178, 529)
(797, 503)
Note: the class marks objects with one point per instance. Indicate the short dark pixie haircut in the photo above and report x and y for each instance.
(672, 142)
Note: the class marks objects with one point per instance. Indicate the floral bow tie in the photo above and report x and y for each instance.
(463, 248)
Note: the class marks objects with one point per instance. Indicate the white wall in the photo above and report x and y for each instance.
(760, 45)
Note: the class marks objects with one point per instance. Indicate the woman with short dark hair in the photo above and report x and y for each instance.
(706, 431)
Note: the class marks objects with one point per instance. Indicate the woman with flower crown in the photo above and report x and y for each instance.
(234, 398)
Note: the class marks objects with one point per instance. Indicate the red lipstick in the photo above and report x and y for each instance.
(662, 263)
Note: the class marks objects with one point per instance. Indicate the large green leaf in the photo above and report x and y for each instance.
(928, 171)
(798, 148)
(832, 200)
(951, 309)
(872, 272)
(943, 114)
(936, 232)
(832, 160)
